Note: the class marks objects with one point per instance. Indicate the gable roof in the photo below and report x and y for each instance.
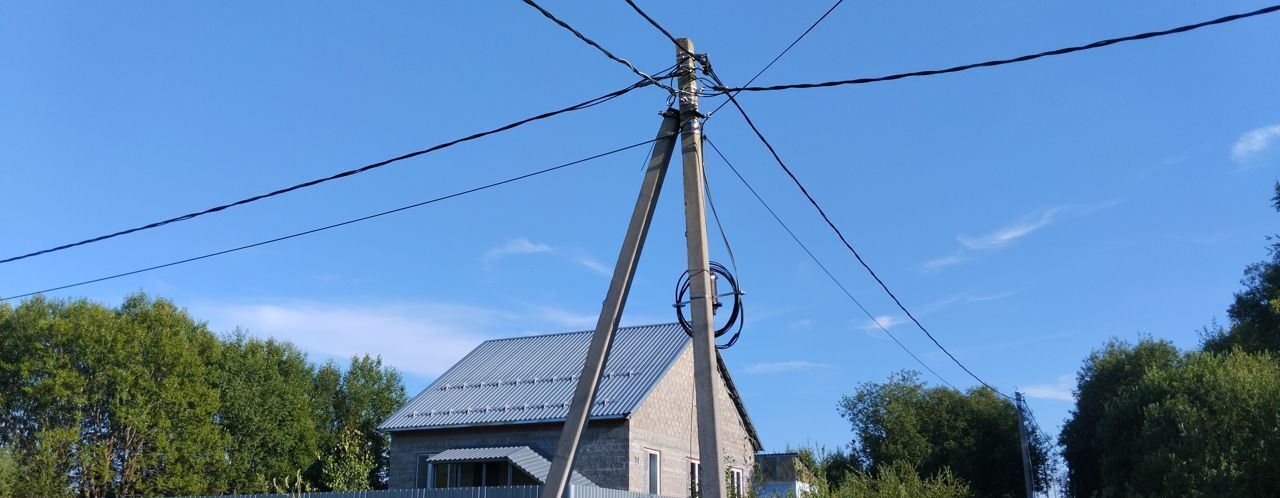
(522, 456)
(531, 379)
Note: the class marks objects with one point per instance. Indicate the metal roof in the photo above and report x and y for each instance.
(532, 379)
(522, 456)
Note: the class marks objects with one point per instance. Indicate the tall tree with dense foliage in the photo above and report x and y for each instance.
(265, 389)
(972, 434)
(1100, 438)
(108, 402)
(1152, 422)
(144, 400)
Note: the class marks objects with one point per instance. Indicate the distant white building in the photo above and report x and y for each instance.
(781, 475)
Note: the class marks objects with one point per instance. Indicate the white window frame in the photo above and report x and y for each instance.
(735, 475)
(652, 481)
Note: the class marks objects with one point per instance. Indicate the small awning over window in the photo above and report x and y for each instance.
(520, 456)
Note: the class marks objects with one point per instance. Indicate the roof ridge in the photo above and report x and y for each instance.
(591, 331)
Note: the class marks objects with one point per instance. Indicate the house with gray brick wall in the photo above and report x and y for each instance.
(494, 418)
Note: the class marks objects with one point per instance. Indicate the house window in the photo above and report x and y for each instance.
(487, 473)
(695, 469)
(655, 471)
(735, 483)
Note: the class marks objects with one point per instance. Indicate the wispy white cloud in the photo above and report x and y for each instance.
(1005, 236)
(1254, 142)
(881, 321)
(967, 297)
(937, 264)
(516, 246)
(1008, 234)
(800, 324)
(1061, 390)
(789, 367)
(522, 246)
(593, 265)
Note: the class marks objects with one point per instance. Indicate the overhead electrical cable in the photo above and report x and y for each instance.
(775, 59)
(733, 100)
(339, 224)
(1001, 62)
(581, 105)
(821, 266)
(597, 46)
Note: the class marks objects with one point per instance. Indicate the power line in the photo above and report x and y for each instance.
(775, 59)
(1001, 62)
(823, 267)
(581, 105)
(339, 224)
(659, 27)
(847, 245)
(597, 46)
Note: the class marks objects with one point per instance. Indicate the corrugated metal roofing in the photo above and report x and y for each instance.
(522, 456)
(532, 379)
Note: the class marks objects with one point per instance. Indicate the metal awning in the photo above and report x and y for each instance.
(521, 456)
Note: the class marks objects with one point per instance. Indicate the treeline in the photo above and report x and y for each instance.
(143, 400)
(1151, 420)
(920, 441)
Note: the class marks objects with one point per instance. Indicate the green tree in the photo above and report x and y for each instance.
(1100, 438)
(8, 473)
(973, 434)
(351, 404)
(1151, 422)
(107, 402)
(347, 466)
(266, 390)
(1255, 314)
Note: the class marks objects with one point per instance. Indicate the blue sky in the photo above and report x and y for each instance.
(1027, 213)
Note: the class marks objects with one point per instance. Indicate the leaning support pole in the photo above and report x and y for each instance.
(1022, 437)
(705, 364)
(584, 395)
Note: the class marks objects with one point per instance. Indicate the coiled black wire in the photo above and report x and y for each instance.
(737, 313)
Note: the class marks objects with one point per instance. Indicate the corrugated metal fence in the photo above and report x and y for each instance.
(492, 492)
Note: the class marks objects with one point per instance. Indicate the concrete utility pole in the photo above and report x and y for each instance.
(607, 325)
(1022, 436)
(705, 367)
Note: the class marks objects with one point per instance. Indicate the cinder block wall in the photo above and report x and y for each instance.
(602, 456)
(667, 422)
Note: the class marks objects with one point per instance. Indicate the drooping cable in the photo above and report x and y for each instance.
(821, 266)
(1001, 62)
(597, 46)
(845, 240)
(339, 224)
(733, 262)
(775, 59)
(581, 105)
